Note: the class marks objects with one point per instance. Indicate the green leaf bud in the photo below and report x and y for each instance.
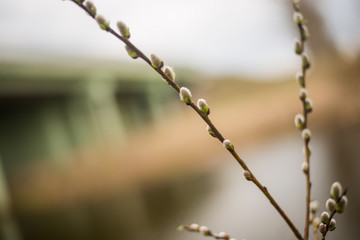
(91, 8)
(300, 79)
(202, 105)
(123, 29)
(211, 132)
(298, 47)
(330, 204)
(332, 225)
(305, 61)
(341, 205)
(304, 33)
(308, 105)
(335, 190)
(325, 217)
(298, 18)
(156, 62)
(185, 95)
(104, 25)
(303, 94)
(247, 175)
(228, 145)
(131, 52)
(299, 121)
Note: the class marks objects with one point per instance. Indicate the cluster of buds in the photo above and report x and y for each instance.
(205, 231)
(335, 204)
(158, 64)
(91, 10)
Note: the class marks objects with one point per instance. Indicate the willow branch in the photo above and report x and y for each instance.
(205, 117)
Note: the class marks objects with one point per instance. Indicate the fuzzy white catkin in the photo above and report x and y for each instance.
(123, 29)
(169, 72)
(185, 95)
(335, 190)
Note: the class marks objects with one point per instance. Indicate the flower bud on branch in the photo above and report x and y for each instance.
(185, 95)
(123, 29)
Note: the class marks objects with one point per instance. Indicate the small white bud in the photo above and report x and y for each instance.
(298, 18)
(205, 231)
(298, 47)
(156, 62)
(296, 5)
(211, 132)
(330, 204)
(340, 207)
(306, 134)
(247, 175)
(303, 93)
(325, 217)
(316, 222)
(169, 72)
(223, 235)
(304, 32)
(185, 95)
(305, 167)
(299, 121)
(181, 227)
(311, 217)
(123, 29)
(104, 25)
(91, 8)
(314, 205)
(322, 228)
(131, 52)
(332, 225)
(194, 227)
(305, 61)
(335, 190)
(202, 105)
(228, 145)
(308, 105)
(300, 79)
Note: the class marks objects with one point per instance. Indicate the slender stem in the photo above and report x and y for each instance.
(218, 135)
(264, 190)
(303, 37)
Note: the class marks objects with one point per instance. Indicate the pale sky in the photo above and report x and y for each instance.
(248, 37)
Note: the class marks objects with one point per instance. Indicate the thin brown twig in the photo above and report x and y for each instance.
(302, 40)
(218, 135)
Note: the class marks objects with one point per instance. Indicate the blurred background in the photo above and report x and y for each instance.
(94, 145)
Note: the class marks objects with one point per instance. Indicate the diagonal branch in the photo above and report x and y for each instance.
(216, 132)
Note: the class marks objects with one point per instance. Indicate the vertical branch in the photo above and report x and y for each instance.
(301, 121)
